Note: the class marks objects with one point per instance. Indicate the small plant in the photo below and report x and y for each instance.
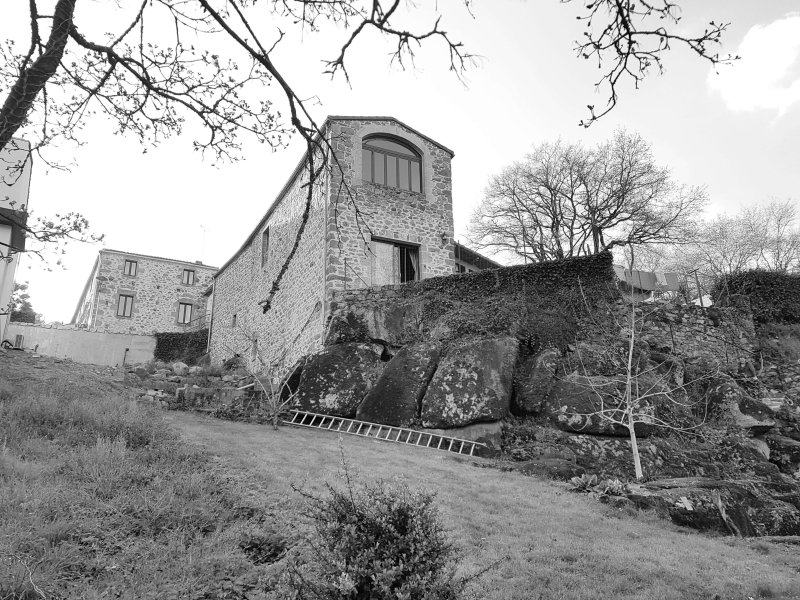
(584, 483)
(380, 541)
(611, 487)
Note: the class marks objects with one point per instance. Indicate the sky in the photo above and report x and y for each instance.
(735, 132)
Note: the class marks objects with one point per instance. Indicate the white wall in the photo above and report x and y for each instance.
(83, 346)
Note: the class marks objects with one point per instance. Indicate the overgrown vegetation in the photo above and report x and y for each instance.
(773, 297)
(187, 347)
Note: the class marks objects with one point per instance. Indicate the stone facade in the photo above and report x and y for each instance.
(157, 289)
(348, 215)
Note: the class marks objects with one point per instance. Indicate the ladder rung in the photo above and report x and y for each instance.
(398, 435)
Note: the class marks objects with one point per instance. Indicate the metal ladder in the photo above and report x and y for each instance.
(400, 435)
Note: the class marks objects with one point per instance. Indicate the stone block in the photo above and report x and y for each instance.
(472, 384)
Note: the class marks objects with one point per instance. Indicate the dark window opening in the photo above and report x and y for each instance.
(129, 268)
(408, 264)
(125, 306)
(233, 320)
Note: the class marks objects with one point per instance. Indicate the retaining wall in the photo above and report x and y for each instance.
(84, 346)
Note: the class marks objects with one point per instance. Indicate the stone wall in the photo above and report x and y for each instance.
(293, 325)
(722, 335)
(157, 289)
(424, 219)
(84, 345)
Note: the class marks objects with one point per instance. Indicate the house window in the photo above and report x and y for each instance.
(391, 163)
(125, 305)
(392, 263)
(188, 277)
(129, 268)
(184, 312)
(264, 246)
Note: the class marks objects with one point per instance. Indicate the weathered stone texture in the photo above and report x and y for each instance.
(335, 381)
(424, 219)
(293, 325)
(333, 252)
(472, 384)
(157, 289)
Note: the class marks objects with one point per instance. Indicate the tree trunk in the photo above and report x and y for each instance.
(33, 78)
(637, 461)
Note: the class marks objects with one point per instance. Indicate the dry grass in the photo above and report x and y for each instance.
(550, 543)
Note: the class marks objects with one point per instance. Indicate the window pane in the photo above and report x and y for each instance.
(378, 164)
(415, 177)
(389, 145)
(402, 174)
(391, 171)
(366, 165)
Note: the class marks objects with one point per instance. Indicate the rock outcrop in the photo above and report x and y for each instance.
(472, 384)
(335, 380)
(396, 397)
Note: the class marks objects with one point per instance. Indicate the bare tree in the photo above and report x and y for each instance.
(565, 200)
(629, 399)
(212, 61)
(775, 231)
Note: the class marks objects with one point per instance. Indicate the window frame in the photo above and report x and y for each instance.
(185, 279)
(126, 307)
(134, 267)
(182, 313)
(415, 158)
(265, 246)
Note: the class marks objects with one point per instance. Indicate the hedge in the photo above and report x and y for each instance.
(186, 347)
(773, 297)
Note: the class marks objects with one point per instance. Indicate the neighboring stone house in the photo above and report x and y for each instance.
(134, 293)
(15, 182)
(401, 231)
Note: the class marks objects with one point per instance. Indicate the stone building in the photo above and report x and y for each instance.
(381, 214)
(134, 293)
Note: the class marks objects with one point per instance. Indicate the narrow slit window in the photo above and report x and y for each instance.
(264, 247)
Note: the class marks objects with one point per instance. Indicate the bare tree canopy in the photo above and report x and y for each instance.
(167, 61)
(565, 200)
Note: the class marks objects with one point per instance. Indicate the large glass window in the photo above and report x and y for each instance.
(391, 163)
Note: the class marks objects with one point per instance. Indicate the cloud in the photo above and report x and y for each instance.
(767, 77)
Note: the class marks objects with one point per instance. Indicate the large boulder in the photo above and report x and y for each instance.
(717, 505)
(576, 402)
(335, 380)
(472, 384)
(536, 379)
(396, 397)
(180, 368)
(725, 397)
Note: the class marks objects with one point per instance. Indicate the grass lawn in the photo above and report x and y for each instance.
(101, 498)
(548, 542)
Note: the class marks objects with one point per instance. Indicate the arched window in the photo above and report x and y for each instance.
(389, 162)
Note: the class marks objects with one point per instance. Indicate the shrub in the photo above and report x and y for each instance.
(382, 542)
(187, 347)
(772, 296)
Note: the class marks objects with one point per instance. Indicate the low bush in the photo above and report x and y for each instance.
(379, 541)
(187, 347)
